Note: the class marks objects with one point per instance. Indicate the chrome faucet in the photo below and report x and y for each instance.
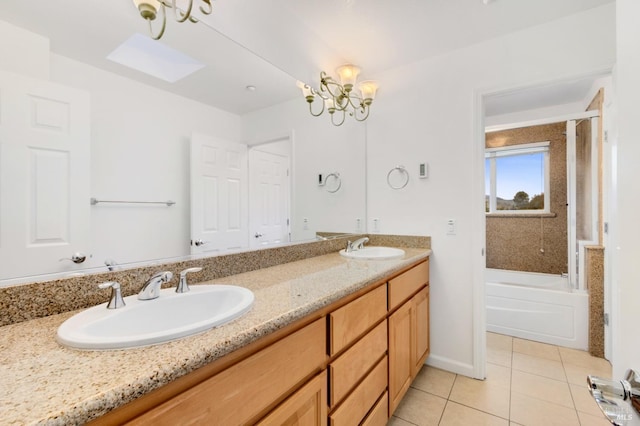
(151, 289)
(116, 301)
(356, 245)
(616, 397)
(183, 287)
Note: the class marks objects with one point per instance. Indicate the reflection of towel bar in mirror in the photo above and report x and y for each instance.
(95, 201)
(336, 186)
(402, 170)
(154, 153)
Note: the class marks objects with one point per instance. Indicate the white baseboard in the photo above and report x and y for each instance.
(451, 365)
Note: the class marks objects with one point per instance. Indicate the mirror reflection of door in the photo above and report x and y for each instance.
(44, 176)
(219, 211)
(269, 194)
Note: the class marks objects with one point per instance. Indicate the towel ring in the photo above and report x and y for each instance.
(336, 177)
(402, 170)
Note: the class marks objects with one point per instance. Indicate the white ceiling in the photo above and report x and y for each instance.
(381, 34)
(88, 31)
(561, 93)
(299, 37)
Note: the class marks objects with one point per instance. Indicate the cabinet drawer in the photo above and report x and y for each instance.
(306, 407)
(351, 366)
(404, 285)
(350, 321)
(240, 393)
(362, 399)
(379, 414)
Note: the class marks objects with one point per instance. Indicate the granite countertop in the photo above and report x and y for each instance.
(42, 382)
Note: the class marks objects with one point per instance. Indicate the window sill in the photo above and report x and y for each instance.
(521, 215)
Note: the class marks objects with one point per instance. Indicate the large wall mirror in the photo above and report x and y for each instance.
(76, 124)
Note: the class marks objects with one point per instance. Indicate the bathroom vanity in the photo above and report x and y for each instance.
(328, 341)
(352, 361)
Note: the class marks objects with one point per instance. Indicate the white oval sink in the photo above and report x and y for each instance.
(374, 253)
(147, 322)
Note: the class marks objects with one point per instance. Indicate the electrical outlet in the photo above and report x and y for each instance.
(376, 225)
(451, 227)
(305, 223)
(358, 225)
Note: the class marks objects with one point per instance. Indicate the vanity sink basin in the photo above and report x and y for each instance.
(374, 253)
(147, 322)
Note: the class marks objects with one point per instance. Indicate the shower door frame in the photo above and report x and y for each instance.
(575, 248)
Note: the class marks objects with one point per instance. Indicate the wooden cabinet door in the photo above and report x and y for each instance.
(241, 392)
(306, 407)
(399, 354)
(419, 330)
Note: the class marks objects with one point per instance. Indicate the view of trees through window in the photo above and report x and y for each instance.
(519, 182)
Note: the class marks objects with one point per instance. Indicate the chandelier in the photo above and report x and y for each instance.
(339, 99)
(149, 10)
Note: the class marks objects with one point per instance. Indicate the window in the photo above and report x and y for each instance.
(517, 179)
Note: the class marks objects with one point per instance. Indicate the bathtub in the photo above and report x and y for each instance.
(540, 307)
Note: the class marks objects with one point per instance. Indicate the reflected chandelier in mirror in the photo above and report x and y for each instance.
(340, 97)
(149, 10)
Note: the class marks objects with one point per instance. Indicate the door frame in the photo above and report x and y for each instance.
(288, 137)
(477, 202)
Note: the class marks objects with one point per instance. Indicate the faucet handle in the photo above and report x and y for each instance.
(163, 277)
(183, 287)
(116, 301)
(360, 243)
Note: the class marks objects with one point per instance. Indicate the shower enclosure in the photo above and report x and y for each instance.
(549, 307)
(582, 194)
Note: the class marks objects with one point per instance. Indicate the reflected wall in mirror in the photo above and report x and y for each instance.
(132, 136)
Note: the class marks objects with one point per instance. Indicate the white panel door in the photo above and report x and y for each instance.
(219, 198)
(269, 198)
(44, 176)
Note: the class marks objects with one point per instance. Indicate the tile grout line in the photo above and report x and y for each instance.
(443, 410)
(566, 380)
(465, 405)
(566, 376)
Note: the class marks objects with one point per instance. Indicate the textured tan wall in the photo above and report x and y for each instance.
(595, 284)
(515, 242)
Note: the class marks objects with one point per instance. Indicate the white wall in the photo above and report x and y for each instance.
(625, 230)
(140, 151)
(318, 147)
(430, 112)
(23, 52)
(533, 114)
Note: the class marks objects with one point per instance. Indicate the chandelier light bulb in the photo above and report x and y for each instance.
(307, 91)
(348, 75)
(368, 89)
(330, 104)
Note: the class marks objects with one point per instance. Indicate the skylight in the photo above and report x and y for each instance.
(154, 58)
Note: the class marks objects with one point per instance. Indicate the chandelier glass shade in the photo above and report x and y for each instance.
(340, 99)
(150, 10)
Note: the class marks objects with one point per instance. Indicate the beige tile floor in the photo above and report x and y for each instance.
(528, 383)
